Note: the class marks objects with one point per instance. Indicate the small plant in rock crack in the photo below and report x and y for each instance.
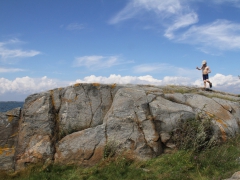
(196, 134)
(110, 149)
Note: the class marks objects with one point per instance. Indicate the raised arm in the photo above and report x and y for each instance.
(198, 68)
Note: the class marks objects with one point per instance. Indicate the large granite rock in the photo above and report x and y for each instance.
(9, 122)
(130, 124)
(37, 130)
(83, 123)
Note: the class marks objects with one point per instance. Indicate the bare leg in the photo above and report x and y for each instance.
(204, 84)
(210, 84)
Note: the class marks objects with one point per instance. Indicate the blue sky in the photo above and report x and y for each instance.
(48, 44)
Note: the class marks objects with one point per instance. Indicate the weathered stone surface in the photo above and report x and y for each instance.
(9, 127)
(224, 113)
(9, 122)
(130, 125)
(39, 149)
(36, 129)
(83, 147)
(83, 106)
(230, 106)
(169, 113)
(167, 116)
(79, 123)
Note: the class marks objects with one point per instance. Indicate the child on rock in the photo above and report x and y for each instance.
(205, 70)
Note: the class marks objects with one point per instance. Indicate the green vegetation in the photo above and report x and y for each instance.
(220, 96)
(218, 162)
(171, 89)
(110, 149)
(178, 89)
(199, 156)
(195, 134)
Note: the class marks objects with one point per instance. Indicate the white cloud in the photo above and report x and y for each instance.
(178, 18)
(176, 13)
(176, 80)
(27, 85)
(127, 13)
(226, 83)
(21, 87)
(98, 62)
(180, 22)
(221, 34)
(220, 82)
(118, 79)
(134, 7)
(75, 26)
(10, 70)
(7, 53)
(166, 69)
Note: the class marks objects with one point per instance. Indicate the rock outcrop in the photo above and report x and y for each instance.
(80, 124)
(9, 123)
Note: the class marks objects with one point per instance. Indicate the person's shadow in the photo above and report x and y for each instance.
(207, 89)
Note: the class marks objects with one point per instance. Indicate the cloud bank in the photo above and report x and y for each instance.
(26, 85)
(22, 87)
(227, 83)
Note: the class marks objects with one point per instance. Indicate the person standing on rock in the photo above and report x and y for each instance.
(205, 70)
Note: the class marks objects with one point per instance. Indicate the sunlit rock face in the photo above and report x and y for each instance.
(83, 123)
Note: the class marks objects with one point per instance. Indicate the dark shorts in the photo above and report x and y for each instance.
(205, 76)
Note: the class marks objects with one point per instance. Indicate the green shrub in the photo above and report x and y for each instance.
(199, 158)
(110, 149)
(196, 134)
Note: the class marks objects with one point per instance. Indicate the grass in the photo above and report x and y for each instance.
(171, 89)
(220, 96)
(178, 89)
(218, 162)
(198, 157)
